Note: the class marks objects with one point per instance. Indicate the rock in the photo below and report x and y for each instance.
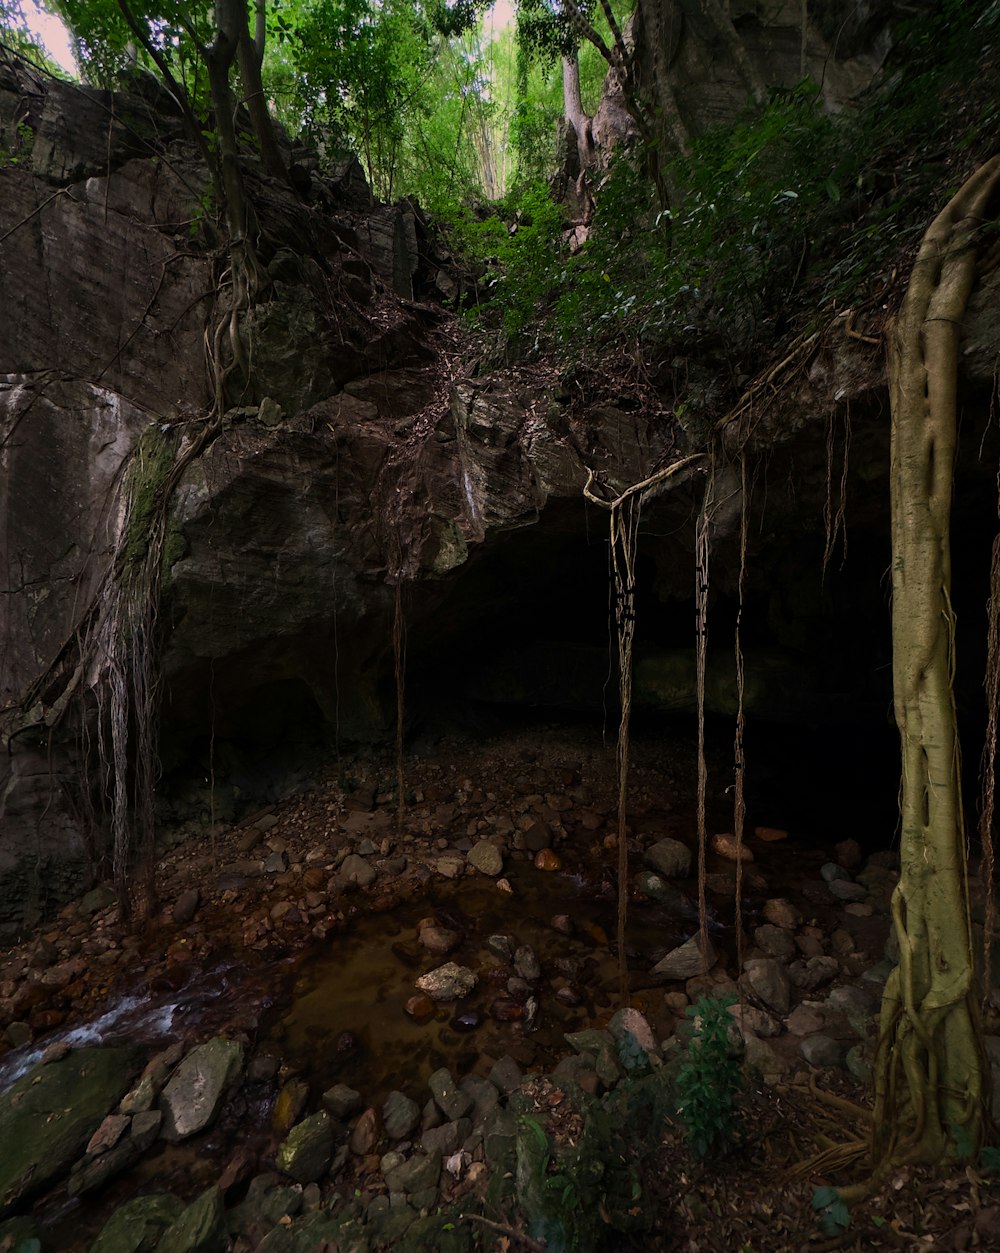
(355, 869)
(468, 1020)
(724, 845)
(830, 871)
(452, 1102)
(365, 1134)
(632, 1022)
(505, 1075)
(289, 1106)
(858, 1062)
(501, 946)
(822, 1050)
(448, 1138)
(650, 884)
(342, 1101)
(676, 1002)
(108, 1134)
(18, 1034)
(420, 1008)
(50, 1114)
(782, 913)
(526, 964)
(812, 974)
(138, 1225)
(546, 859)
(400, 1116)
(770, 835)
(305, 1154)
(486, 858)
(536, 837)
(804, 1020)
(200, 1228)
(670, 858)
(420, 1172)
(848, 854)
(845, 890)
(761, 1057)
(685, 961)
(192, 1097)
(775, 941)
(97, 899)
(751, 1019)
(437, 939)
(448, 982)
(562, 923)
(186, 906)
(767, 981)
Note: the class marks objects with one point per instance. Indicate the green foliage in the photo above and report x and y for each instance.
(834, 1216)
(592, 1195)
(709, 1079)
(989, 1158)
(16, 150)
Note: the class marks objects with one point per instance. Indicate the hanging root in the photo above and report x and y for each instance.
(739, 758)
(399, 664)
(702, 549)
(834, 515)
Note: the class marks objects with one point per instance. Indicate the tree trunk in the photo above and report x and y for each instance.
(931, 1080)
(250, 53)
(723, 24)
(576, 116)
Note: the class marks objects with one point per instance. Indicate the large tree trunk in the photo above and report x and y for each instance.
(576, 116)
(250, 54)
(931, 1079)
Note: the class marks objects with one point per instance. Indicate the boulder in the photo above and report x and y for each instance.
(486, 858)
(685, 961)
(193, 1095)
(449, 982)
(766, 980)
(305, 1153)
(200, 1228)
(138, 1225)
(670, 858)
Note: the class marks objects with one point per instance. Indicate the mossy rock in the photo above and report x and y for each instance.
(306, 1234)
(199, 1228)
(137, 1226)
(48, 1116)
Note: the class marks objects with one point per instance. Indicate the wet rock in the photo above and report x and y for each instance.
(97, 899)
(537, 837)
(138, 1225)
(449, 982)
(766, 980)
(200, 1228)
(355, 869)
(49, 1115)
(305, 1153)
(782, 913)
(186, 906)
(289, 1105)
(193, 1095)
(724, 845)
(465, 1022)
(365, 1134)
(262, 1068)
(848, 854)
(437, 939)
(486, 858)
(650, 884)
(18, 1034)
(814, 973)
(686, 960)
(420, 1008)
(526, 964)
(342, 1101)
(775, 941)
(760, 1056)
(453, 1102)
(446, 1139)
(830, 871)
(631, 1021)
(505, 1075)
(562, 923)
(770, 835)
(501, 946)
(758, 1021)
(670, 858)
(804, 1020)
(108, 1134)
(505, 1009)
(845, 890)
(400, 1116)
(546, 859)
(420, 1172)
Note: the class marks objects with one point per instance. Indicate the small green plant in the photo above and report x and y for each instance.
(834, 1216)
(709, 1080)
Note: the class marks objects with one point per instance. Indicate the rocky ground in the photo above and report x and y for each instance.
(486, 1064)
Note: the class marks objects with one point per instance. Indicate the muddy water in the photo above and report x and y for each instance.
(347, 1021)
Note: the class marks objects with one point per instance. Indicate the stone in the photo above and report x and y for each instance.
(446, 1139)
(108, 1134)
(650, 884)
(453, 1102)
(858, 1063)
(400, 1116)
(782, 913)
(670, 858)
(686, 960)
(848, 854)
(537, 836)
(770, 835)
(486, 858)
(355, 869)
(420, 1008)
(138, 1225)
(760, 1056)
(305, 1153)
(290, 1103)
(437, 939)
(830, 871)
(50, 1114)
(365, 1134)
(759, 1021)
(200, 1228)
(814, 973)
(505, 1074)
(526, 964)
(449, 982)
(546, 859)
(97, 899)
(186, 906)
(775, 941)
(805, 1020)
(630, 1021)
(724, 845)
(845, 890)
(822, 1050)
(418, 1173)
(767, 981)
(501, 946)
(342, 1101)
(194, 1093)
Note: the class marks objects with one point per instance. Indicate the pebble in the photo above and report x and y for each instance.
(449, 982)
(486, 858)
(822, 1050)
(782, 913)
(420, 1008)
(724, 844)
(770, 835)
(670, 858)
(365, 1135)
(548, 860)
(437, 939)
(562, 923)
(186, 906)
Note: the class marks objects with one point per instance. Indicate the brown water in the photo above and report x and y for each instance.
(362, 979)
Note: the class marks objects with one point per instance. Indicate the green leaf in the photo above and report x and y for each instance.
(822, 1197)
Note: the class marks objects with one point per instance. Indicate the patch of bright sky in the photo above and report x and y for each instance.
(52, 33)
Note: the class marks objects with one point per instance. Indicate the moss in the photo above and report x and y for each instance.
(151, 464)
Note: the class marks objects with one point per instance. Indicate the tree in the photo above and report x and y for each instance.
(932, 1078)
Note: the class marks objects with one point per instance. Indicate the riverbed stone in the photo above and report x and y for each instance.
(354, 869)
(305, 1153)
(670, 858)
(822, 1050)
(138, 1225)
(686, 960)
(486, 858)
(775, 941)
(505, 1074)
(526, 964)
(449, 982)
(186, 906)
(200, 1228)
(194, 1093)
(48, 1116)
(630, 1021)
(342, 1101)
(366, 1132)
(845, 890)
(421, 1171)
(767, 981)
(782, 913)
(400, 1115)
(452, 1101)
